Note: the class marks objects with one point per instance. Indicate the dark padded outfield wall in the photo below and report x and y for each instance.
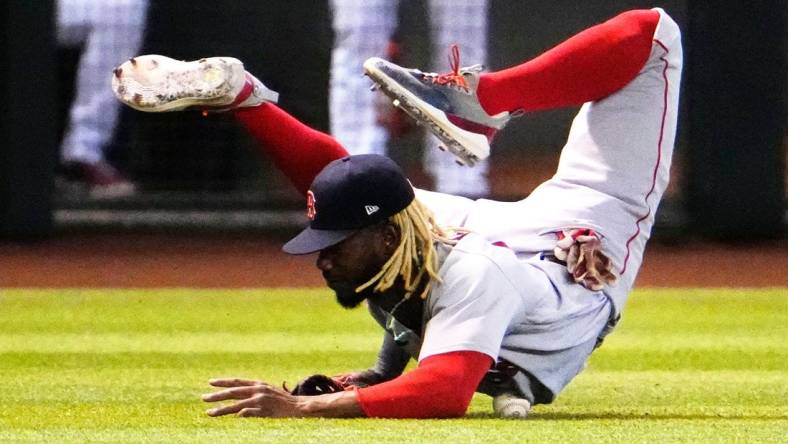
(736, 100)
(729, 163)
(27, 121)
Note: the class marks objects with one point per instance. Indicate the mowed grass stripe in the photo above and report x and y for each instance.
(735, 359)
(178, 310)
(201, 342)
(285, 358)
(734, 390)
(197, 342)
(473, 429)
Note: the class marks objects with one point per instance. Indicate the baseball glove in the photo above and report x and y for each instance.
(315, 385)
(581, 249)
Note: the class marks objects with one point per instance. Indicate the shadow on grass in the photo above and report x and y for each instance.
(559, 416)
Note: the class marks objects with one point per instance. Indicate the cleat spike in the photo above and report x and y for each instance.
(118, 72)
(396, 103)
(441, 147)
(459, 162)
(374, 87)
(133, 61)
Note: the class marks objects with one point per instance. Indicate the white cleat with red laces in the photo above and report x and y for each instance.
(155, 83)
(447, 104)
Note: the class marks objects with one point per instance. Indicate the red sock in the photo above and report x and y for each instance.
(589, 66)
(299, 151)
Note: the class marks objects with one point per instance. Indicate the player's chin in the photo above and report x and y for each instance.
(346, 295)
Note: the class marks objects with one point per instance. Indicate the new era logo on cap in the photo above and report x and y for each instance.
(371, 209)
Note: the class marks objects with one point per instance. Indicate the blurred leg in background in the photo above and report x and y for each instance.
(464, 23)
(109, 31)
(364, 29)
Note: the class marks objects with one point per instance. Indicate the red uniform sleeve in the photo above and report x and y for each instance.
(441, 387)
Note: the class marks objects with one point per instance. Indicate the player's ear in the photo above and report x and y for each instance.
(390, 236)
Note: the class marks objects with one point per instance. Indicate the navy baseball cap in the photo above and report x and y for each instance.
(349, 194)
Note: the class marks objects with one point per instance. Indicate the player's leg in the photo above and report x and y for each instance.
(588, 66)
(626, 70)
(465, 108)
(464, 23)
(615, 165)
(362, 30)
(155, 83)
(297, 150)
(110, 33)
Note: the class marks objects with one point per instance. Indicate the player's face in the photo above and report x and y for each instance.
(355, 260)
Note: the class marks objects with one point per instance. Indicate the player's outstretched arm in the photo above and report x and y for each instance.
(441, 387)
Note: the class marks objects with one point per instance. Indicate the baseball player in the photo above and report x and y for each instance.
(508, 299)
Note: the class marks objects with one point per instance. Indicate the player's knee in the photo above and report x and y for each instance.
(668, 31)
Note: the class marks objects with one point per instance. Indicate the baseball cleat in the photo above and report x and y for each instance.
(510, 406)
(100, 179)
(155, 83)
(446, 103)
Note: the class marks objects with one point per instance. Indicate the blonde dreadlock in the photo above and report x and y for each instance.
(415, 255)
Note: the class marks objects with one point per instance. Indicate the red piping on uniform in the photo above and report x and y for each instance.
(659, 154)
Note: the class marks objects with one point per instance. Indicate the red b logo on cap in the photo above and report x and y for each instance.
(310, 205)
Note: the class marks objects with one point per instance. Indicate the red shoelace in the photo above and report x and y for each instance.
(454, 77)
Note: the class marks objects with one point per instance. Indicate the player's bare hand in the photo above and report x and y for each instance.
(255, 399)
(582, 251)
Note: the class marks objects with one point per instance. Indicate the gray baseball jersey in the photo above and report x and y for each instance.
(492, 302)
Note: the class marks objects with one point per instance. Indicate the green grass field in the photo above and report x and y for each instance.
(129, 366)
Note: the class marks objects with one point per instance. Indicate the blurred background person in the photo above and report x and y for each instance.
(108, 32)
(364, 29)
